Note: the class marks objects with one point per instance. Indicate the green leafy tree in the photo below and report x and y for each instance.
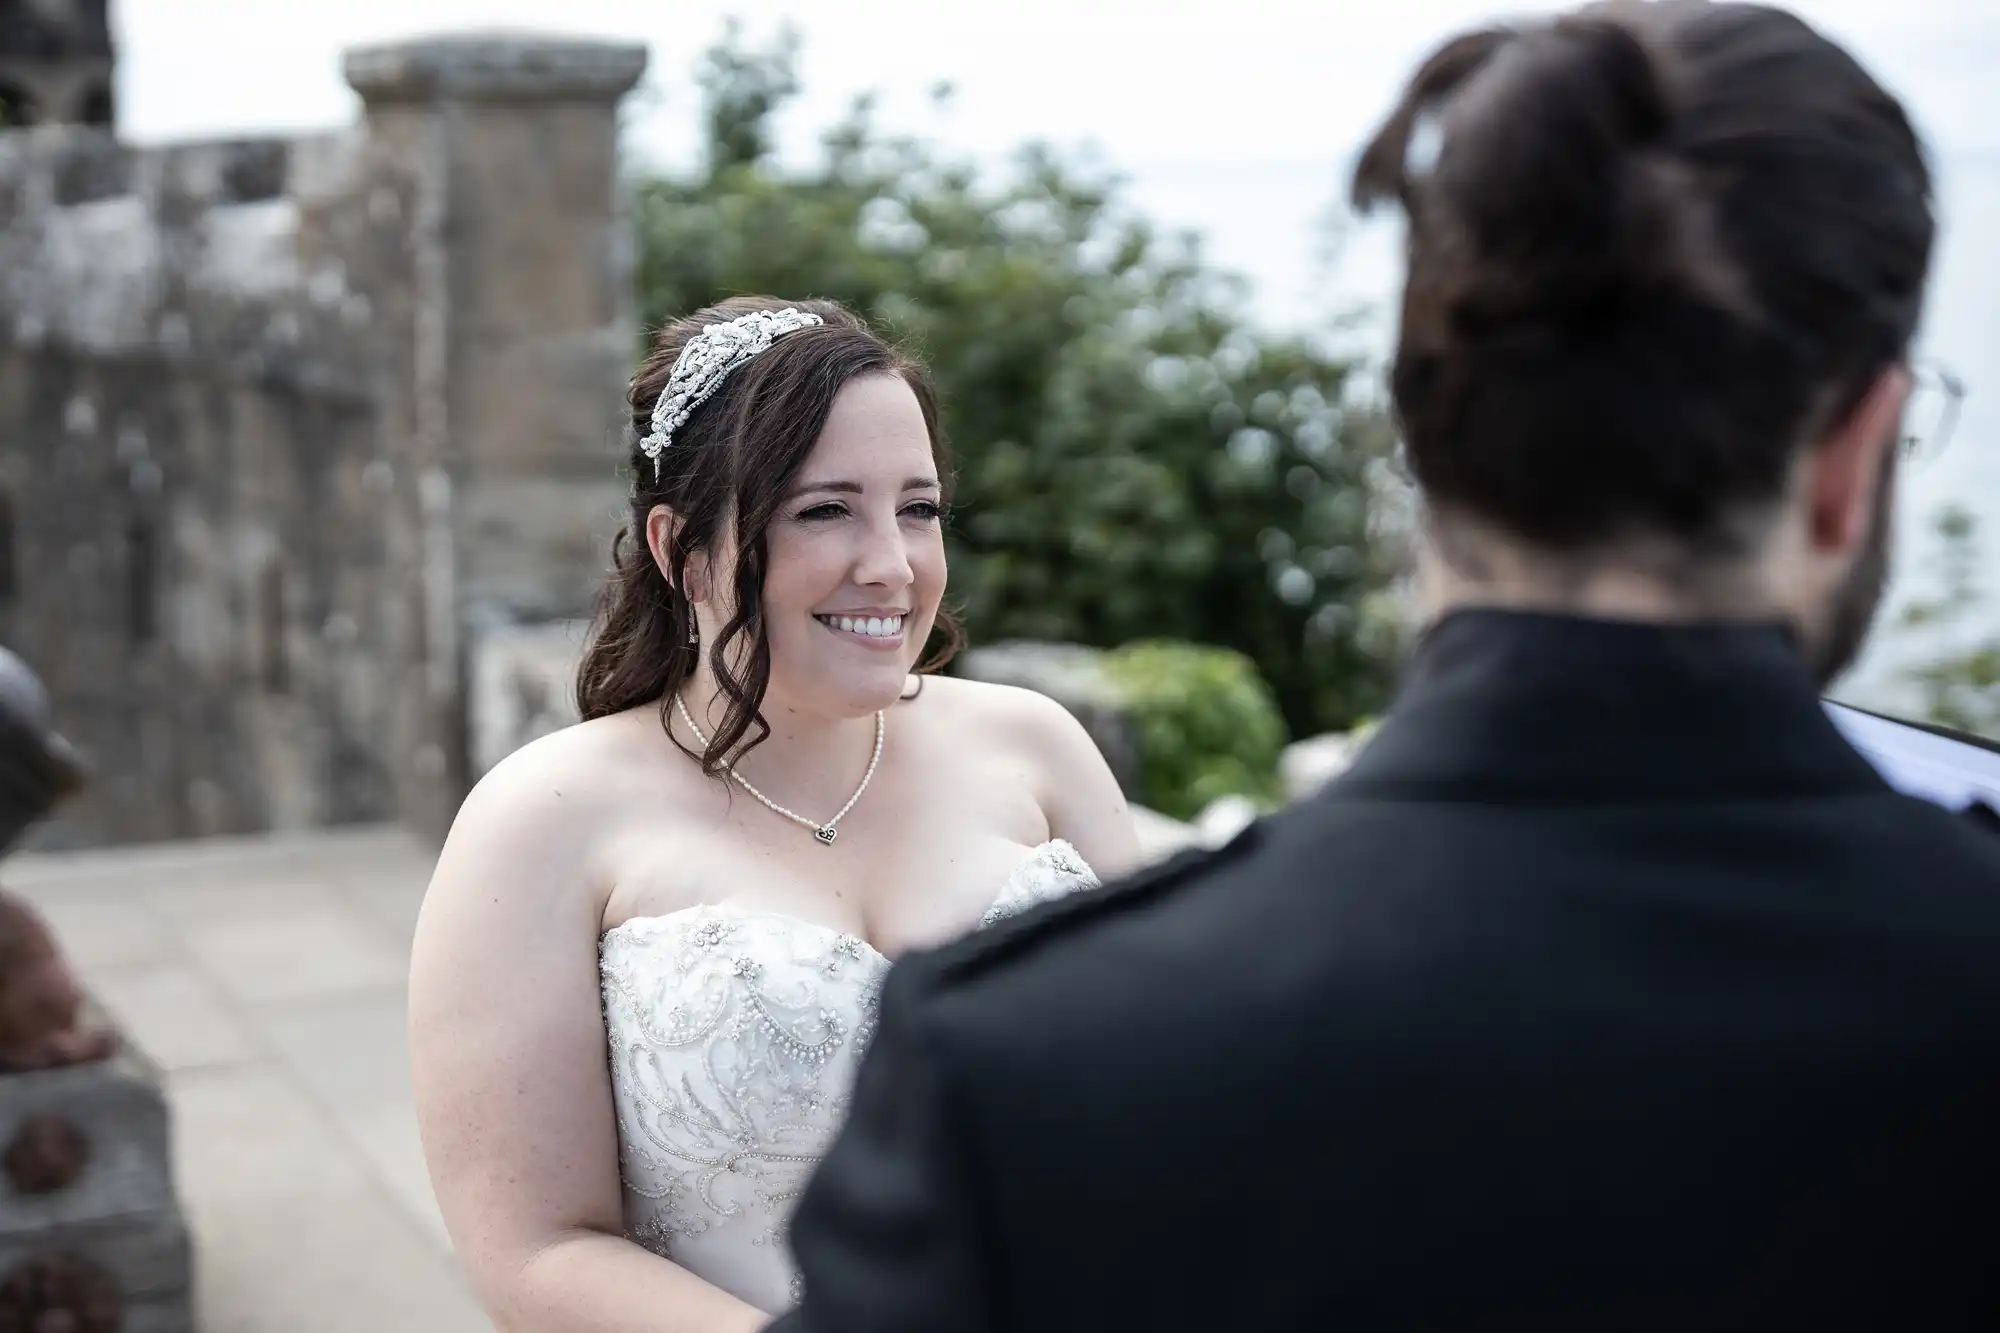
(1136, 460)
(1962, 688)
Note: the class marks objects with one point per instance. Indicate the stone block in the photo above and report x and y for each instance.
(523, 686)
(1310, 764)
(88, 1212)
(91, 166)
(504, 67)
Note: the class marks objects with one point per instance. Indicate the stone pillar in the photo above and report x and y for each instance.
(511, 334)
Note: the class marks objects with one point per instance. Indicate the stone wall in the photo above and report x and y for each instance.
(522, 686)
(289, 423)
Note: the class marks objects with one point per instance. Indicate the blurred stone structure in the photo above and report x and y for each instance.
(55, 63)
(293, 428)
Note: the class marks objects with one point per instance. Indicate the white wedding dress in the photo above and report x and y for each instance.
(735, 1035)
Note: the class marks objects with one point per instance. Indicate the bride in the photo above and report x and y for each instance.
(645, 970)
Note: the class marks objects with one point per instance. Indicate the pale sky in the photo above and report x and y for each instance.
(1233, 117)
(1144, 77)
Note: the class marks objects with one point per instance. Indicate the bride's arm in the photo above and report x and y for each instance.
(513, 1091)
(1078, 793)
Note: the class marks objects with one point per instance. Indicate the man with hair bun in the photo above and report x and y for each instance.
(1610, 988)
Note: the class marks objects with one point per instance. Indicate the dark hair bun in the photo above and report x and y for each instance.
(1545, 172)
(1653, 243)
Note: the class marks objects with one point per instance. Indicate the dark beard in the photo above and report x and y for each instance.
(1860, 593)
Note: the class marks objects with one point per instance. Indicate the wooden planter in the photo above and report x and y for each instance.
(91, 1234)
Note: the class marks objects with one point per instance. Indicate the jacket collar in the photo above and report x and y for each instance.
(1536, 706)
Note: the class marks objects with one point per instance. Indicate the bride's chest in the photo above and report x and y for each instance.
(896, 896)
(773, 988)
(745, 993)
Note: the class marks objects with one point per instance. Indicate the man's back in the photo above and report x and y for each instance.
(1610, 988)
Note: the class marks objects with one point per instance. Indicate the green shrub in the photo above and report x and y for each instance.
(1206, 724)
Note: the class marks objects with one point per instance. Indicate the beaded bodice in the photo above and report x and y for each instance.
(735, 1035)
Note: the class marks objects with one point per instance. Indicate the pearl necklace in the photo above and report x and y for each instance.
(826, 832)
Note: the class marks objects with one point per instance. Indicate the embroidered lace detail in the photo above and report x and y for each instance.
(735, 1036)
(1054, 871)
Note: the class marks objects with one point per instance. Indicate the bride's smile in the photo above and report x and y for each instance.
(875, 629)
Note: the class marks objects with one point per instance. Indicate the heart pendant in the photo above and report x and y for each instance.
(826, 835)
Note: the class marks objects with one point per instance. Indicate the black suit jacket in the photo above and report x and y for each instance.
(1610, 989)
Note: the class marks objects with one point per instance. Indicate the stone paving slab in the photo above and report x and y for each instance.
(294, 1230)
(266, 978)
(175, 1014)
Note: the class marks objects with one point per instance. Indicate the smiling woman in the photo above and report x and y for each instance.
(780, 581)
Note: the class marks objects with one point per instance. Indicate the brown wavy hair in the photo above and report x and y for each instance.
(727, 471)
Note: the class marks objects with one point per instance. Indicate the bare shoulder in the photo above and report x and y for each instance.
(1074, 785)
(565, 774)
(553, 804)
(1005, 714)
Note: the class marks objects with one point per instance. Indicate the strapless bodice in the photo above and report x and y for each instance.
(735, 1035)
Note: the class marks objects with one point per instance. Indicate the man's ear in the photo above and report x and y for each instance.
(1846, 465)
(662, 526)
